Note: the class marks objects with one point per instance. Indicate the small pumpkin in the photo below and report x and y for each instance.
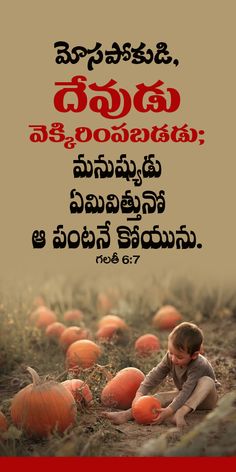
(147, 344)
(145, 409)
(72, 334)
(38, 301)
(43, 316)
(112, 319)
(120, 391)
(104, 303)
(54, 330)
(167, 317)
(109, 332)
(42, 407)
(73, 315)
(3, 423)
(80, 391)
(82, 354)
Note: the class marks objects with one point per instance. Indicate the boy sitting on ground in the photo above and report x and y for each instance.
(192, 374)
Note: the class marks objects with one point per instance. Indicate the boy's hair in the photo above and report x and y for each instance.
(187, 337)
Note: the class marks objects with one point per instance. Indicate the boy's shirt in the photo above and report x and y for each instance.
(185, 378)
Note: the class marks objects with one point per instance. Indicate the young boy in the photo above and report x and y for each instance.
(192, 374)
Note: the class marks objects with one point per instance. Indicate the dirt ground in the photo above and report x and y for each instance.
(130, 437)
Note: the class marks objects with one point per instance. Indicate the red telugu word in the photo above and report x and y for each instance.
(112, 103)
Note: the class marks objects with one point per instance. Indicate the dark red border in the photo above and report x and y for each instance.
(164, 464)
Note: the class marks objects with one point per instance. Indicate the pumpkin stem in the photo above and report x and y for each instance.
(35, 377)
(155, 412)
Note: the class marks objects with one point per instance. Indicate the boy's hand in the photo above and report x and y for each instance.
(164, 413)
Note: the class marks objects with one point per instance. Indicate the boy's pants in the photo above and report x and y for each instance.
(203, 397)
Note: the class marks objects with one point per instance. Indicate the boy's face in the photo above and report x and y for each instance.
(180, 358)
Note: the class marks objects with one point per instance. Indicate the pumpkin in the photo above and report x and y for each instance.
(120, 391)
(43, 316)
(112, 319)
(82, 354)
(107, 332)
(38, 301)
(167, 317)
(43, 407)
(80, 391)
(147, 344)
(72, 334)
(145, 409)
(73, 315)
(54, 330)
(3, 423)
(104, 303)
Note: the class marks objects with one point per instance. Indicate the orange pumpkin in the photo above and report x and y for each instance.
(104, 303)
(167, 317)
(72, 334)
(54, 330)
(147, 344)
(145, 409)
(42, 407)
(3, 423)
(38, 301)
(112, 319)
(42, 317)
(120, 391)
(107, 332)
(73, 315)
(82, 354)
(80, 391)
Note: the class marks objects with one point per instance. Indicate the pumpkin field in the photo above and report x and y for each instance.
(71, 350)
